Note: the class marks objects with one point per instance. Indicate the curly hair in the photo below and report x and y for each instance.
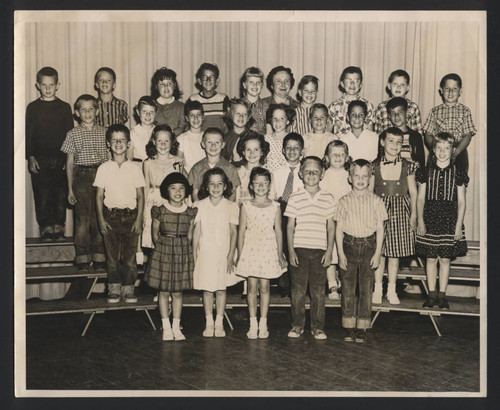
(161, 74)
(204, 193)
(248, 136)
(151, 147)
(272, 73)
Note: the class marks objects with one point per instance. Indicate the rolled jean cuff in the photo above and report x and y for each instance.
(98, 257)
(364, 324)
(348, 322)
(83, 259)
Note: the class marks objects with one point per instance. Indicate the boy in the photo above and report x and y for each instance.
(362, 143)
(350, 84)
(212, 143)
(214, 104)
(310, 235)
(452, 117)
(360, 231)
(120, 204)
(190, 141)
(85, 148)
(413, 146)
(48, 119)
(398, 85)
(112, 110)
(285, 182)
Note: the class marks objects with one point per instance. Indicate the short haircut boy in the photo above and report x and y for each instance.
(108, 70)
(453, 77)
(395, 102)
(304, 81)
(47, 72)
(85, 97)
(206, 67)
(213, 130)
(293, 136)
(311, 158)
(192, 105)
(317, 106)
(360, 163)
(357, 103)
(117, 128)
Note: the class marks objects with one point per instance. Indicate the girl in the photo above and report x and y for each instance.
(335, 181)
(280, 116)
(306, 95)
(162, 150)
(316, 141)
(441, 210)
(395, 183)
(250, 88)
(253, 150)
(171, 266)
(145, 112)
(260, 248)
(237, 122)
(214, 244)
(165, 90)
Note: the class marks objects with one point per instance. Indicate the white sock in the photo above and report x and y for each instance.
(332, 284)
(253, 321)
(263, 323)
(391, 288)
(176, 323)
(210, 320)
(378, 287)
(218, 321)
(166, 323)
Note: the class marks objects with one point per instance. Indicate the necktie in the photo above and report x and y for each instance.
(288, 185)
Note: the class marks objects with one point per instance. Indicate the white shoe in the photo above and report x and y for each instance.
(219, 331)
(209, 331)
(178, 335)
(377, 297)
(393, 299)
(168, 334)
(253, 332)
(263, 333)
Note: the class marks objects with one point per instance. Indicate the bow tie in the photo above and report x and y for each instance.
(393, 162)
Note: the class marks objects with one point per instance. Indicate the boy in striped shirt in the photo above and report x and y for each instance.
(310, 235)
(360, 217)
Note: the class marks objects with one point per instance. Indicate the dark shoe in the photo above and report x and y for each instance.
(83, 267)
(360, 336)
(430, 302)
(350, 335)
(285, 292)
(443, 303)
(99, 266)
(59, 236)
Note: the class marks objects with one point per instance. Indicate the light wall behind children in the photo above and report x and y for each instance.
(427, 50)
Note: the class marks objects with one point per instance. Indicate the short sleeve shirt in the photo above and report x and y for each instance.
(338, 113)
(195, 177)
(88, 145)
(413, 117)
(456, 119)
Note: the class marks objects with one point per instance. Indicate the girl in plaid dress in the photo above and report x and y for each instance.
(395, 183)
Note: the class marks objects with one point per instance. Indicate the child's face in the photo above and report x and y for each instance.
(292, 151)
(360, 178)
(357, 118)
(176, 193)
(282, 83)
(253, 86)
(443, 151)
(392, 145)
(398, 87)
(279, 121)
(163, 142)
(118, 143)
(105, 83)
(195, 119)
(239, 115)
(451, 91)
(308, 93)
(166, 88)
(261, 185)
(318, 120)
(87, 112)
(208, 81)
(351, 83)
(337, 157)
(398, 116)
(47, 87)
(147, 114)
(212, 144)
(216, 186)
(252, 152)
(311, 173)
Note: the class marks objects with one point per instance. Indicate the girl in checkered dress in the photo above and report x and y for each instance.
(394, 182)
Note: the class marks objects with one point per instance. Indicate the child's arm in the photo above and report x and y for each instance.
(242, 231)
(232, 197)
(420, 210)
(233, 232)
(70, 160)
(155, 230)
(290, 232)
(462, 145)
(460, 211)
(412, 188)
(137, 226)
(339, 237)
(145, 166)
(428, 139)
(103, 225)
(279, 237)
(196, 240)
(375, 260)
(326, 260)
(130, 151)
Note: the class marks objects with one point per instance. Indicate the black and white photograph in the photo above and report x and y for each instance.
(250, 203)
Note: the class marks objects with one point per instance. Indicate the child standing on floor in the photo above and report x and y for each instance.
(336, 182)
(316, 141)
(120, 204)
(250, 88)
(260, 248)
(48, 119)
(165, 90)
(140, 135)
(165, 160)
(111, 110)
(310, 235)
(190, 141)
(214, 244)
(441, 210)
(395, 183)
(307, 91)
(280, 116)
(360, 217)
(170, 270)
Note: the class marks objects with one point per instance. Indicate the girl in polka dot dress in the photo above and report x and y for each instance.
(280, 116)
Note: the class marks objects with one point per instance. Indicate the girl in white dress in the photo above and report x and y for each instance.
(214, 244)
(260, 248)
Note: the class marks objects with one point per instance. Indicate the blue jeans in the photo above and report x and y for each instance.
(121, 245)
(309, 270)
(89, 245)
(357, 310)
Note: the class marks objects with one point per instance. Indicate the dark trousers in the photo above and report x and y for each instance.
(357, 309)
(88, 240)
(121, 246)
(309, 271)
(50, 188)
(284, 280)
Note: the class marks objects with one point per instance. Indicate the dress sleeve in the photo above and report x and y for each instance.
(411, 167)
(192, 212)
(155, 212)
(461, 177)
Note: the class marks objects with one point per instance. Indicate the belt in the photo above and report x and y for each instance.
(169, 235)
(121, 210)
(88, 166)
(353, 238)
(136, 160)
